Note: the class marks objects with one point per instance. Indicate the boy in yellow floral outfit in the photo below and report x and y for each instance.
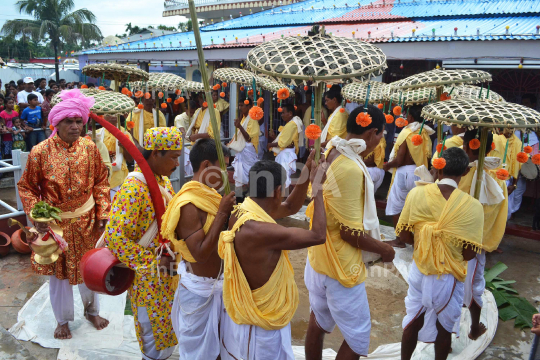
(133, 237)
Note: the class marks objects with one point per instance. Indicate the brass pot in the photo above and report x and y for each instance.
(45, 251)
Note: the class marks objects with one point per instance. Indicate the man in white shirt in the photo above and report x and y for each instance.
(28, 89)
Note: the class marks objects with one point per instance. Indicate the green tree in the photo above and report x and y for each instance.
(166, 28)
(55, 21)
(187, 26)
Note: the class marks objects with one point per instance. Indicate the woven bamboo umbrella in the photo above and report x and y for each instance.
(320, 58)
(357, 92)
(414, 96)
(273, 87)
(474, 92)
(207, 91)
(160, 82)
(192, 86)
(439, 78)
(473, 113)
(234, 75)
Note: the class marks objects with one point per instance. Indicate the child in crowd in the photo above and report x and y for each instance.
(33, 117)
(7, 115)
(18, 136)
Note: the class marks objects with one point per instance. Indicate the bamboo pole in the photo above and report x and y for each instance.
(209, 100)
(439, 90)
(481, 158)
(116, 88)
(271, 112)
(318, 103)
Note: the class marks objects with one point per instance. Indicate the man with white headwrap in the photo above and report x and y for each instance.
(66, 171)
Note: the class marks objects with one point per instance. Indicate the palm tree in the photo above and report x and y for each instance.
(54, 21)
(129, 28)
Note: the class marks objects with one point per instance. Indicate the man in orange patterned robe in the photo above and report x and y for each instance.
(67, 171)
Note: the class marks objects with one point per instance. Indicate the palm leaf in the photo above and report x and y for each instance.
(498, 268)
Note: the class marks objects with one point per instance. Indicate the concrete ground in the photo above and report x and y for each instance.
(385, 287)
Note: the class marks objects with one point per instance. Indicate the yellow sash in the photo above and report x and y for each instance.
(198, 194)
(86, 207)
(442, 228)
(379, 153)
(271, 306)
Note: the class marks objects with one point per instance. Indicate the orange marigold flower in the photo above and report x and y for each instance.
(313, 132)
(474, 144)
(380, 106)
(417, 140)
(139, 94)
(439, 163)
(181, 99)
(129, 93)
(401, 122)
(140, 106)
(305, 88)
(283, 94)
(502, 174)
(389, 118)
(241, 88)
(246, 102)
(528, 149)
(215, 106)
(397, 110)
(279, 109)
(260, 101)
(348, 101)
(439, 147)
(250, 92)
(216, 87)
(363, 119)
(342, 110)
(124, 91)
(147, 95)
(492, 146)
(205, 104)
(224, 84)
(328, 86)
(130, 124)
(163, 105)
(522, 157)
(51, 127)
(256, 113)
(101, 88)
(88, 137)
(84, 86)
(169, 100)
(295, 108)
(178, 92)
(536, 159)
(222, 94)
(445, 96)
(160, 94)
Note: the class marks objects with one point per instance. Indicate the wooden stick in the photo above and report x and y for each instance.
(318, 103)
(213, 120)
(481, 158)
(438, 95)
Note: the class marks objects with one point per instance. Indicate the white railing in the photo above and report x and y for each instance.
(17, 167)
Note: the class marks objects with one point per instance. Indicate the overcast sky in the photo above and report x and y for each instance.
(111, 15)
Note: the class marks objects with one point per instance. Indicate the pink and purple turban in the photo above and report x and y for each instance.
(74, 104)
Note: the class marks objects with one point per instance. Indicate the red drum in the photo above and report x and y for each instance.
(103, 273)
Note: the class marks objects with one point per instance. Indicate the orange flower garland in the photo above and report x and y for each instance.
(160, 94)
(417, 140)
(179, 101)
(397, 110)
(283, 94)
(522, 157)
(363, 119)
(163, 105)
(216, 87)
(401, 122)
(502, 174)
(124, 91)
(169, 100)
(139, 94)
(342, 110)
(178, 92)
(84, 86)
(439, 163)
(147, 95)
(224, 84)
(439, 147)
(313, 132)
(279, 109)
(256, 113)
(101, 88)
(260, 101)
(130, 125)
(389, 118)
(474, 144)
(380, 106)
(241, 88)
(528, 149)
(222, 94)
(536, 159)
(246, 102)
(129, 93)
(445, 96)
(140, 106)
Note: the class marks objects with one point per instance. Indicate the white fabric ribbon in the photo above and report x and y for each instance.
(238, 143)
(490, 191)
(204, 124)
(324, 133)
(425, 176)
(352, 149)
(300, 126)
(141, 125)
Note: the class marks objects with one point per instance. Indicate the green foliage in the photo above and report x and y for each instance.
(42, 210)
(510, 305)
(127, 309)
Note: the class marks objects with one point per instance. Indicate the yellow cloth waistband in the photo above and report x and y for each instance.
(86, 207)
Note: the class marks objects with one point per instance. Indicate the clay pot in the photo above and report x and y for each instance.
(19, 242)
(5, 241)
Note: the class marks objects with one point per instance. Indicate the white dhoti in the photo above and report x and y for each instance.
(475, 282)
(403, 183)
(515, 198)
(251, 342)
(332, 304)
(242, 163)
(188, 169)
(377, 175)
(196, 315)
(287, 158)
(262, 141)
(440, 298)
(147, 337)
(61, 295)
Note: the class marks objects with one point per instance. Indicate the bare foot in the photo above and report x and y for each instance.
(62, 332)
(98, 322)
(499, 250)
(396, 243)
(476, 334)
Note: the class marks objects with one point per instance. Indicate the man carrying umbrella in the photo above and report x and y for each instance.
(67, 171)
